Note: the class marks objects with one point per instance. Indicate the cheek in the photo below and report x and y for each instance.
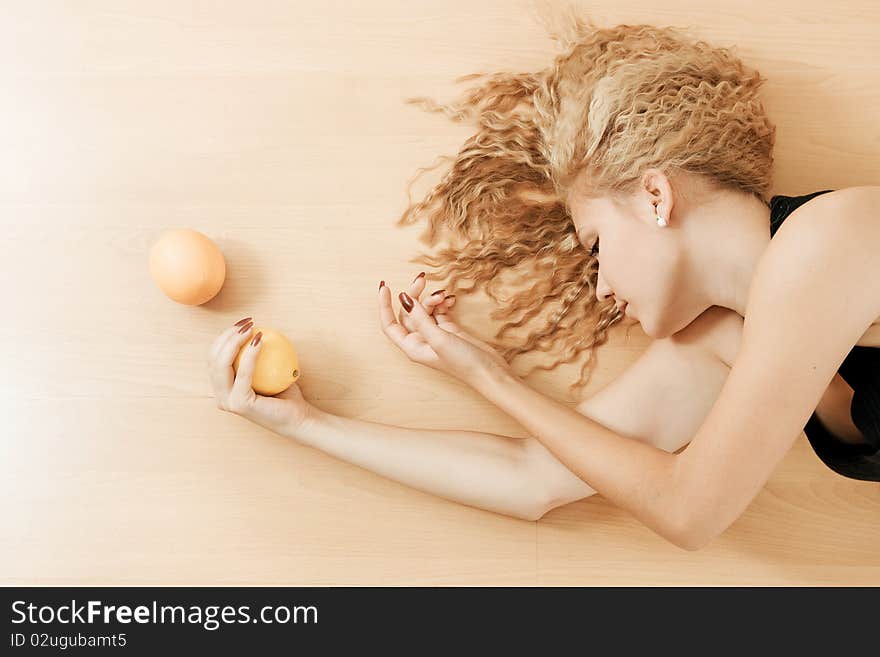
(638, 267)
(663, 295)
(649, 281)
(645, 271)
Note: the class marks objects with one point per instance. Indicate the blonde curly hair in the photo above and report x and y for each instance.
(617, 101)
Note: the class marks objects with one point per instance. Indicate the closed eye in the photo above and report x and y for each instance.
(593, 250)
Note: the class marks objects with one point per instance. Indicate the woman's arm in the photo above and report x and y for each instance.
(485, 470)
(631, 474)
(798, 330)
(497, 473)
(661, 400)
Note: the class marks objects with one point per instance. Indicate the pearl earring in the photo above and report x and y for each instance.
(660, 220)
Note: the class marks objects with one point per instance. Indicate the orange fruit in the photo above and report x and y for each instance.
(187, 266)
(277, 365)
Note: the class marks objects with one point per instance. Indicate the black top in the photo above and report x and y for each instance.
(861, 370)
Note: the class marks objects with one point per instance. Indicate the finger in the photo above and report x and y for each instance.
(231, 348)
(445, 306)
(242, 388)
(390, 326)
(448, 325)
(219, 370)
(220, 367)
(416, 288)
(406, 321)
(411, 344)
(221, 382)
(424, 323)
(224, 337)
(433, 300)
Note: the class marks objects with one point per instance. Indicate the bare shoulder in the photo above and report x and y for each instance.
(835, 238)
(809, 300)
(841, 224)
(864, 195)
(848, 213)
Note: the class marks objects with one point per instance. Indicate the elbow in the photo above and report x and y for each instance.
(692, 535)
(533, 512)
(536, 503)
(694, 520)
(693, 541)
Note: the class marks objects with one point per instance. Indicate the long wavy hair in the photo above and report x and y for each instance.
(616, 101)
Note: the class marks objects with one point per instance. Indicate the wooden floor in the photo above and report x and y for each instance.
(279, 129)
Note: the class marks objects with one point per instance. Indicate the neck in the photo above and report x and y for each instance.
(740, 227)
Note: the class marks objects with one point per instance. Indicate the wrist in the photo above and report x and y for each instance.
(303, 428)
(492, 378)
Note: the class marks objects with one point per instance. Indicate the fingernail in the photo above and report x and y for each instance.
(405, 301)
(247, 327)
(418, 277)
(243, 321)
(381, 283)
(438, 292)
(256, 339)
(451, 296)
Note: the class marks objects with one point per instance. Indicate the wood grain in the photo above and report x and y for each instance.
(279, 129)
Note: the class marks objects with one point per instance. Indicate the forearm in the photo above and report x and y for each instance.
(479, 469)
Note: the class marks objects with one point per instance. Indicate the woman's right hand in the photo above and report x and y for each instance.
(284, 413)
(439, 306)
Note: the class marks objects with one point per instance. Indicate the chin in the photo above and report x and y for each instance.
(653, 331)
(647, 330)
(665, 331)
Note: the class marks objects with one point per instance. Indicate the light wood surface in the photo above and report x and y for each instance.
(279, 130)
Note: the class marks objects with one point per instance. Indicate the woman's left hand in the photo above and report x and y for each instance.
(427, 335)
(284, 413)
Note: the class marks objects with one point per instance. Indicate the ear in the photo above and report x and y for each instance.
(658, 195)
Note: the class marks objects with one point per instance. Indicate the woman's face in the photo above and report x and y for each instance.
(640, 263)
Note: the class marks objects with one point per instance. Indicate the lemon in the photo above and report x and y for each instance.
(277, 365)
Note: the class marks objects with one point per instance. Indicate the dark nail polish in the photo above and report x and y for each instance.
(381, 283)
(451, 296)
(257, 339)
(405, 301)
(244, 321)
(247, 327)
(418, 277)
(438, 292)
